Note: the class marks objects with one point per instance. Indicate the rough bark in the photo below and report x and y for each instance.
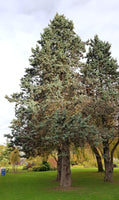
(59, 165)
(108, 171)
(108, 161)
(98, 158)
(65, 171)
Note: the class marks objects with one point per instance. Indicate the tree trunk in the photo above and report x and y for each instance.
(59, 165)
(108, 161)
(65, 171)
(98, 158)
(108, 171)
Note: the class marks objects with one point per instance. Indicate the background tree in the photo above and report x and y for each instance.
(5, 155)
(98, 156)
(101, 78)
(14, 158)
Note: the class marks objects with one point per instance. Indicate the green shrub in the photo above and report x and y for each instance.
(30, 169)
(44, 167)
(36, 168)
(47, 165)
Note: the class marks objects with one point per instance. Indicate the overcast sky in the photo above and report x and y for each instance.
(21, 23)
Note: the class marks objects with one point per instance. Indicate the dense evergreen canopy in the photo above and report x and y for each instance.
(49, 98)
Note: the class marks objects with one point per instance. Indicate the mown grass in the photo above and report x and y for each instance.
(88, 184)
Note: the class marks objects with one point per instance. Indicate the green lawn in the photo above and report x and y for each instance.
(88, 184)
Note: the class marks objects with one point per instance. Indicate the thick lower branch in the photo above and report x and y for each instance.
(114, 148)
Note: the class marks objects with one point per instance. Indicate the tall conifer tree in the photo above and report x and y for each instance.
(101, 79)
(48, 89)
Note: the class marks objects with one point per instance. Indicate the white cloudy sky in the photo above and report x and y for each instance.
(21, 23)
